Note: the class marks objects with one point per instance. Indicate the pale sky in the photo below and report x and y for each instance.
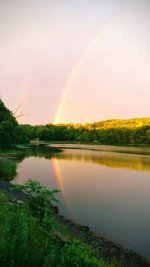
(96, 51)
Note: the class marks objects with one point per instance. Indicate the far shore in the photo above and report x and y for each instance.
(135, 149)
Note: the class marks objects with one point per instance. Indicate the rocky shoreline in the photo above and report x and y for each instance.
(108, 250)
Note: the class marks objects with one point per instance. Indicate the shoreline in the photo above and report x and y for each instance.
(108, 250)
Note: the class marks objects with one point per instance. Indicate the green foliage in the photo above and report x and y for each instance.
(78, 255)
(7, 169)
(20, 135)
(119, 132)
(6, 116)
(26, 241)
(42, 201)
(22, 241)
(10, 131)
(7, 125)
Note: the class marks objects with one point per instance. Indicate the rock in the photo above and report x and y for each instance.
(85, 228)
(20, 201)
(64, 239)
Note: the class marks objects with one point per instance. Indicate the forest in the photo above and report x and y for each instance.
(134, 131)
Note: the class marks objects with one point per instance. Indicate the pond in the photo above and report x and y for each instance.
(104, 189)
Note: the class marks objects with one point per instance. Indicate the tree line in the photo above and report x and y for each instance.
(114, 131)
(130, 131)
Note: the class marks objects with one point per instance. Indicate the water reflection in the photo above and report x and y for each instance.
(121, 149)
(109, 159)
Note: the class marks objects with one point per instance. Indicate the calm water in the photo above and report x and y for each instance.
(108, 191)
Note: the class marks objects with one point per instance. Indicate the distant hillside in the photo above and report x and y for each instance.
(122, 123)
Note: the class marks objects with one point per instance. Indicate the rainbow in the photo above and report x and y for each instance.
(83, 58)
(58, 174)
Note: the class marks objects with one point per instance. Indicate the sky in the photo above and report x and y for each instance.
(75, 60)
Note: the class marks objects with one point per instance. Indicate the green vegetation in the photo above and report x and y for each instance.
(7, 125)
(110, 132)
(10, 131)
(28, 234)
(7, 169)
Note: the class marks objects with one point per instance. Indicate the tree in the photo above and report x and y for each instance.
(8, 124)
